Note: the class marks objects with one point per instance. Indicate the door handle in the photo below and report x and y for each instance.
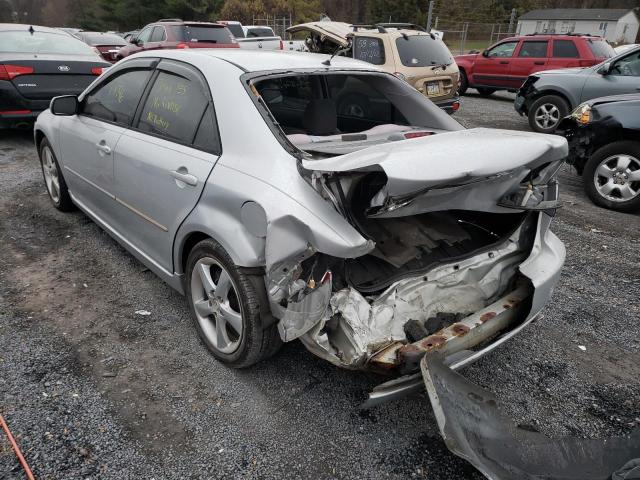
(538, 63)
(183, 175)
(504, 62)
(103, 147)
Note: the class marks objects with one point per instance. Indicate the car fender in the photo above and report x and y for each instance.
(569, 88)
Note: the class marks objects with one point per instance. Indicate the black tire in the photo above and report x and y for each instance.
(62, 201)
(256, 342)
(464, 83)
(547, 102)
(626, 148)
(485, 92)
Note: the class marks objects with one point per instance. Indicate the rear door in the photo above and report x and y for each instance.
(162, 163)
(623, 77)
(158, 36)
(530, 57)
(564, 54)
(492, 69)
(88, 140)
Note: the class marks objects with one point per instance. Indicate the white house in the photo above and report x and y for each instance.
(614, 24)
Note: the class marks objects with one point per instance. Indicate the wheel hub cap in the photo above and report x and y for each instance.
(617, 178)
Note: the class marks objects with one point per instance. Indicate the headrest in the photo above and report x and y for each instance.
(320, 117)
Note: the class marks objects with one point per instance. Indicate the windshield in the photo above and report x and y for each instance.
(259, 32)
(102, 39)
(422, 51)
(236, 29)
(209, 34)
(600, 48)
(17, 41)
(335, 113)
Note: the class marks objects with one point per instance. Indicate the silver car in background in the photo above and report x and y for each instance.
(373, 239)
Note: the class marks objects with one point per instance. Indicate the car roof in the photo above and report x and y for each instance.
(4, 27)
(250, 61)
(549, 36)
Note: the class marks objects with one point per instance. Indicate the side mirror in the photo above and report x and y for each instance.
(66, 105)
(605, 69)
(485, 53)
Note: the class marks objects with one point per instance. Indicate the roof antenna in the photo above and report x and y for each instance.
(338, 51)
(31, 30)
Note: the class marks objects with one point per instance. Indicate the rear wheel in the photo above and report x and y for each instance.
(228, 306)
(463, 84)
(546, 112)
(53, 179)
(612, 176)
(485, 92)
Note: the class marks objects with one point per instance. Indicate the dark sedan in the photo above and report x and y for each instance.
(604, 140)
(37, 64)
(107, 44)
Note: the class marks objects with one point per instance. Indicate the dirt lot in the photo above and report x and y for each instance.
(93, 390)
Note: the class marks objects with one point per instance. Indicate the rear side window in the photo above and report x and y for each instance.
(192, 33)
(174, 108)
(533, 49)
(207, 137)
(565, 49)
(369, 49)
(600, 48)
(157, 35)
(116, 100)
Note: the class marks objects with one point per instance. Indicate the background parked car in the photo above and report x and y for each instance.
(128, 36)
(178, 34)
(624, 48)
(403, 49)
(547, 97)
(604, 141)
(37, 64)
(108, 44)
(254, 37)
(507, 64)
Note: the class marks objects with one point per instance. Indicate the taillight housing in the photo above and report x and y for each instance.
(455, 106)
(9, 72)
(281, 45)
(409, 135)
(97, 71)
(182, 46)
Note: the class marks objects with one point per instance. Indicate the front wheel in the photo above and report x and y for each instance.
(228, 306)
(612, 176)
(463, 83)
(546, 112)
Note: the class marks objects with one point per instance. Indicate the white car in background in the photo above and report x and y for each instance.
(254, 37)
(625, 48)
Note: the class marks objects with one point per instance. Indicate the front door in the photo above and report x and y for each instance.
(88, 140)
(623, 77)
(163, 162)
(492, 67)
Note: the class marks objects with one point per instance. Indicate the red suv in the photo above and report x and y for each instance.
(507, 64)
(175, 33)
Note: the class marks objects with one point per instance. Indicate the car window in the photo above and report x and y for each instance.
(209, 34)
(145, 35)
(158, 34)
(17, 41)
(173, 108)
(369, 49)
(565, 49)
(628, 66)
(535, 49)
(207, 137)
(117, 99)
(503, 50)
(422, 51)
(255, 32)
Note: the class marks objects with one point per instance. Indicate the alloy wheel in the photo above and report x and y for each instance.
(617, 178)
(50, 171)
(547, 116)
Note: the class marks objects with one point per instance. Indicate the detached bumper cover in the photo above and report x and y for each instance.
(474, 428)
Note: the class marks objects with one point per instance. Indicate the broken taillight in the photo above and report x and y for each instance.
(9, 72)
(97, 71)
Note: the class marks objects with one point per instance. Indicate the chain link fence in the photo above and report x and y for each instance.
(279, 25)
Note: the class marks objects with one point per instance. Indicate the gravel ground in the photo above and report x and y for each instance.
(92, 390)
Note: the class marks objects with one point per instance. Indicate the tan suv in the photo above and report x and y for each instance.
(404, 49)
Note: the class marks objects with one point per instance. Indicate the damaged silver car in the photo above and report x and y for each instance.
(251, 184)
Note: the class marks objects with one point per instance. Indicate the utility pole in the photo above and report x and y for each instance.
(430, 15)
(512, 20)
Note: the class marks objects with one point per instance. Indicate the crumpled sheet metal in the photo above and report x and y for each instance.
(301, 316)
(474, 428)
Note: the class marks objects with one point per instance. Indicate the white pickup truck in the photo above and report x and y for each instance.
(254, 37)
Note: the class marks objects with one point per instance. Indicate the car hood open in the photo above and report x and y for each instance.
(336, 31)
